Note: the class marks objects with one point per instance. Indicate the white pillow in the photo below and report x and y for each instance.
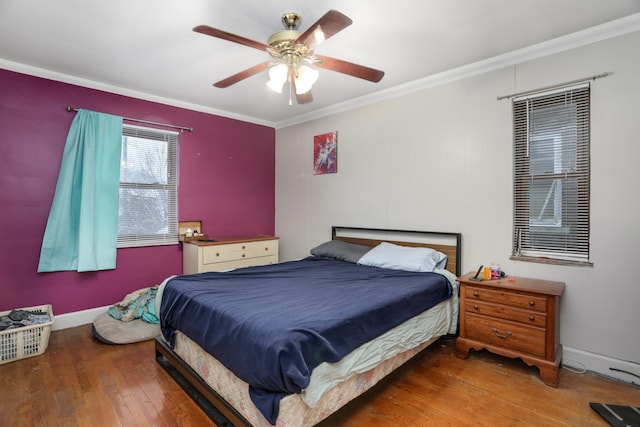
(388, 255)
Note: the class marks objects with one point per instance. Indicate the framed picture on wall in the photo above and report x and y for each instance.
(325, 153)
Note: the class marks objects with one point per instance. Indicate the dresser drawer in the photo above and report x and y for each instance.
(241, 263)
(239, 251)
(528, 317)
(263, 248)
(509, 335)
(508, 298)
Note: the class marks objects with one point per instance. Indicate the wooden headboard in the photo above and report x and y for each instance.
(447, 243)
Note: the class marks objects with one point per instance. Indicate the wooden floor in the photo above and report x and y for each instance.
(81, 382)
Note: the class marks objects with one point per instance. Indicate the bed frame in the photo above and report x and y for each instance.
(217, 408)
(449, 244)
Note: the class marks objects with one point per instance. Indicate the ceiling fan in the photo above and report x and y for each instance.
(292, 56)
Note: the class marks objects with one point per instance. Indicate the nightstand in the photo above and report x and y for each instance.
(514, 317)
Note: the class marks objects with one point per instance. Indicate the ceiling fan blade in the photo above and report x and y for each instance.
(331, 23)
(214, 32)
(304, 98)
(349, 68)
(242, 75)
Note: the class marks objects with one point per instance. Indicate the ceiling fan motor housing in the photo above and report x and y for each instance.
(283, 37)
(284, 44)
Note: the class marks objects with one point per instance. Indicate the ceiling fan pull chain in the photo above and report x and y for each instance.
(290, 89)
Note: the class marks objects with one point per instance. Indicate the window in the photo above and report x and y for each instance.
(148, 210)
(551, 176)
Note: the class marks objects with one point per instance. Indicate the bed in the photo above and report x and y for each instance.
(272, 359)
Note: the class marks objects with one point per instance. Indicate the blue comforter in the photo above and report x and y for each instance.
(272, 325)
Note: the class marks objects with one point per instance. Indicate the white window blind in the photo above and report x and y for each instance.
(148, 210)
(552, 175)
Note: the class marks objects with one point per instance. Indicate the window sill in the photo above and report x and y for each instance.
(551, 261)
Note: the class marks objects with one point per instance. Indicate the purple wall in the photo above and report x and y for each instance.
(227, 179)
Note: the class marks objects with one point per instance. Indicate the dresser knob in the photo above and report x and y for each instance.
(475, 293)
(531, 303)
(266, 249)
(243, 255)
(243, 246)
(217, 253)
(532, 318)
(475, 307)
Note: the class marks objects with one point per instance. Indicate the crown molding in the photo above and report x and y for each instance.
(592, 35)
(92, 84)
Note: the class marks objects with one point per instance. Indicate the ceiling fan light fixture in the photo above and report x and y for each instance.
(305, 79)
(278, 75)
(293, 55)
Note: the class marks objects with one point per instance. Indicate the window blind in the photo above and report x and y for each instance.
(148, 210)
(552, 174)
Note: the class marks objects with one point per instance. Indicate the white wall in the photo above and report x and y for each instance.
(441, 160)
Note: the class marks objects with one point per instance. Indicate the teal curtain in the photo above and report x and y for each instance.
(82, 230)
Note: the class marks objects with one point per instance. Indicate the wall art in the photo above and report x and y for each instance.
(325, 153)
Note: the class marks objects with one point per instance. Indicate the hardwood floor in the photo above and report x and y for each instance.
(81, 382)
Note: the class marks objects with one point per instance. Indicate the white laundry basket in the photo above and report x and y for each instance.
(26, 341)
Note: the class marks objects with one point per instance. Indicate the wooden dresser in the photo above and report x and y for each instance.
(513, 317)
(218, 254)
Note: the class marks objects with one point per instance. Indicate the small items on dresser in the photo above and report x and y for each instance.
(515, 317)
(189, 231)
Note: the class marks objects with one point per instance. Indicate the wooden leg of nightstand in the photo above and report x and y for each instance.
(549, 372)
(462, 348)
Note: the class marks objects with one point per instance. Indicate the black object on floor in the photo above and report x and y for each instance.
(616, 415)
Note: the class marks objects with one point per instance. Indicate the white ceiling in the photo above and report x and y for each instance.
(147, 49)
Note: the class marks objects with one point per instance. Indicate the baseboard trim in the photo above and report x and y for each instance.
(622, 370)
(77, 318)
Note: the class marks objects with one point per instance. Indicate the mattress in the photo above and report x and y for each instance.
(332, 385)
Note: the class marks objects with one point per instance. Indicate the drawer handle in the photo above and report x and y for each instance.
(243, 246)
(243, 255)
(475, 307)
(266, 249)
(532, 303)
(532, 318)
(217, 253)
(499, 335)
(475, 293)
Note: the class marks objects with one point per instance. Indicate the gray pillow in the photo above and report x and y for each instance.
(343, 251)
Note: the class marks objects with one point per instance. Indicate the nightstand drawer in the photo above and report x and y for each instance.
(508, 298)
(527, 317)
(509, 335)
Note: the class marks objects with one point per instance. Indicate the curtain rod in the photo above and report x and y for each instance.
(542, 89)
(75, 110)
